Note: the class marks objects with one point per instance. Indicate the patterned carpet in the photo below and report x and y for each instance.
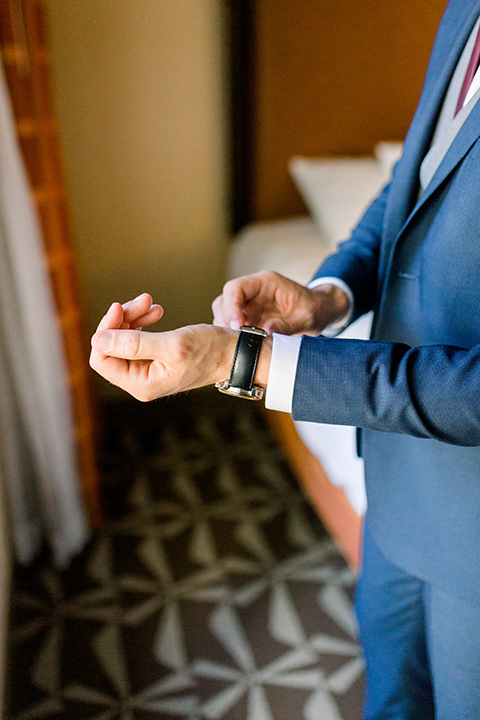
(211, 592)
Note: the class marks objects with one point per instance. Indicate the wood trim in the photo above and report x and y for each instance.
(319, 78)
(25, 53)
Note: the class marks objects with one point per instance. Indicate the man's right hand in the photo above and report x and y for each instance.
(277, 304)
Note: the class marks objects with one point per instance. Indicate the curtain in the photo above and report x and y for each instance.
(30, 117)
(36, 419)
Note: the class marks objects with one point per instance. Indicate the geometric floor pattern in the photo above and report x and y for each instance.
(211, 592)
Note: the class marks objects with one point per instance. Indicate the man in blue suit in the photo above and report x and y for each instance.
(413, 389)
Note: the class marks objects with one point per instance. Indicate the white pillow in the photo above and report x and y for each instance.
(387, 154)
(337, 191)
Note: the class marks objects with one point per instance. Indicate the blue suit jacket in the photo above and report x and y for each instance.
(415, 387)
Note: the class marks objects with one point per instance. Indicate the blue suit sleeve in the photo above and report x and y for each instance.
(430, 391)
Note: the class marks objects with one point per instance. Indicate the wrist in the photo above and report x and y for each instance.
(331, 305)
(229, 358)
(263, 365)
(227, 344)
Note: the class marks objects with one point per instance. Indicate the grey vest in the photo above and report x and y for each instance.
(448, 124)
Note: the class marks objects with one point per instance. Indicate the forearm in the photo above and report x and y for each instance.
(429, 391)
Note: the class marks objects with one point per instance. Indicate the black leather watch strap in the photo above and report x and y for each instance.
(244, 365)
(246, 357)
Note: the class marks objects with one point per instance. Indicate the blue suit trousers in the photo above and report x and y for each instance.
(421, 645)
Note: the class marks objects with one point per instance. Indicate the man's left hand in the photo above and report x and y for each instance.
(150, 365)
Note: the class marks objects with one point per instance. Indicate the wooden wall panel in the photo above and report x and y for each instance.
(330, 77)
(25, 59)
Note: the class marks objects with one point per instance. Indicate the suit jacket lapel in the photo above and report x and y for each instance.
(402, 206)
(467, 136)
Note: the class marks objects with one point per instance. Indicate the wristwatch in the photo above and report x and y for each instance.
(244, 365)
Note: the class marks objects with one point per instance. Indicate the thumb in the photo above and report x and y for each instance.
(128, 344)
(277, 325)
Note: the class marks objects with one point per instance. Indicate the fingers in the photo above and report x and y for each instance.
(236, 294)
(134, 314)
(127, 344)
(235, 307)
(151, 317)
(112, 350)
(218, 313)
(227, 313)
(277, 325)
(140, 312)
(113, 317)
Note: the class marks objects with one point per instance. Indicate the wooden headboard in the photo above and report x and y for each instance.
(319, 77)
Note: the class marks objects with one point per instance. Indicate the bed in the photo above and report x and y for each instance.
(319, 112)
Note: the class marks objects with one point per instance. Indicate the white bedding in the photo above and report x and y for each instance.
(295, 248)
(291, 246)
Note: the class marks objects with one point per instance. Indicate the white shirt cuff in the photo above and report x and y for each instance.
(336, 327)
(283, 369)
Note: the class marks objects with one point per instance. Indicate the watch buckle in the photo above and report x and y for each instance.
(255, 393)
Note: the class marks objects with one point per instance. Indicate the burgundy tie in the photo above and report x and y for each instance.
(471, 70)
